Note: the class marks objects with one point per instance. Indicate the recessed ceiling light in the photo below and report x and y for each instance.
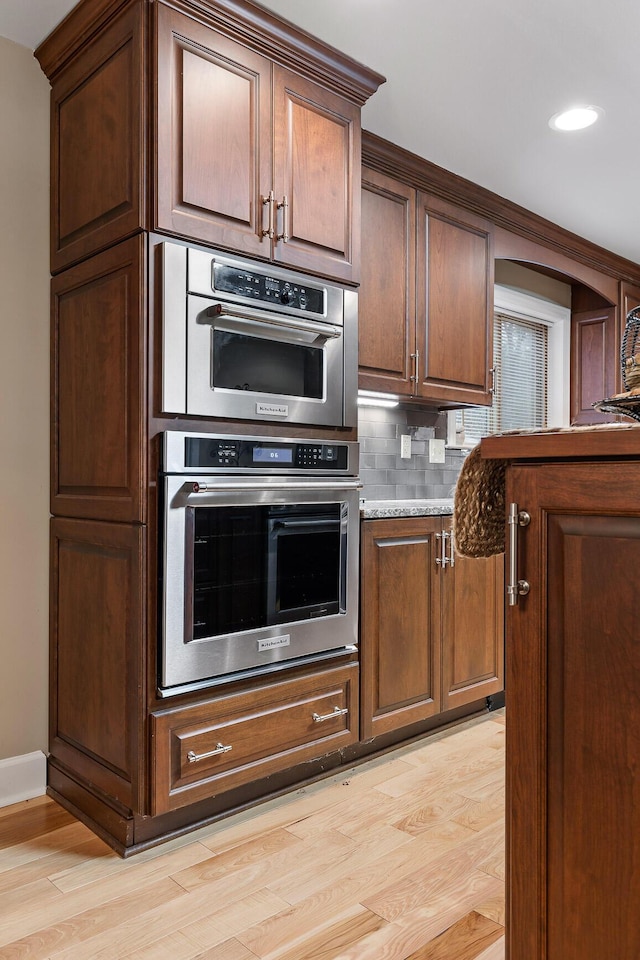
(577, 118)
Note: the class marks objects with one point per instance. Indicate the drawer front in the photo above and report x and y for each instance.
(205, 749)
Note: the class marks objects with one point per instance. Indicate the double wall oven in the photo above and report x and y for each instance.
(259, 535)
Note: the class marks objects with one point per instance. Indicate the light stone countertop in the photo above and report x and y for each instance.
(379, 509)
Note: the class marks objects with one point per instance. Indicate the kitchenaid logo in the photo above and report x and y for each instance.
(283, 641)
(273, 409)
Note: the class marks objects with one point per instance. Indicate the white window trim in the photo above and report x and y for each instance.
(522, 305)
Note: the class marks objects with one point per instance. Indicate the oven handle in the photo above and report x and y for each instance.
(204, 486)
(217, 311)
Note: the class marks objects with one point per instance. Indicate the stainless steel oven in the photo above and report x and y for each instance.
(244, 340)
(259, 560)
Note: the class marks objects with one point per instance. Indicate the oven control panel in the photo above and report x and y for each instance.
(260, 454)
(254, 285)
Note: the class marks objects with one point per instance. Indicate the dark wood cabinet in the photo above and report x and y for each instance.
(432, 626)
(97, 620)
(595, 363)
(214, 128)
(426, 296)
(216, 745)
(573, 688)
(173, 118)
(454, 307)
(472, 628)
(387, 295)
(98, 386)
(400, 623)
(241, 149)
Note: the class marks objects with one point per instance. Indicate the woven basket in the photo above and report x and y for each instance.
(630, 351)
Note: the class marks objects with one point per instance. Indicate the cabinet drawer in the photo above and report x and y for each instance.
(207, 748)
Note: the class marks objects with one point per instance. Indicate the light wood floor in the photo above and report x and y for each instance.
(401, 858)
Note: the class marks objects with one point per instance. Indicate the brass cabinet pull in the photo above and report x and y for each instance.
(336, 712)
(270, 231)
(516, 588)
(220, 748)
(284, 206)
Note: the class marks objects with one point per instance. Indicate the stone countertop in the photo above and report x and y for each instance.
(379, 509)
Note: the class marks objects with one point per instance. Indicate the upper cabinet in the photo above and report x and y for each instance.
(454, 315)
(252, 156)
(253, 142)
(426, 295)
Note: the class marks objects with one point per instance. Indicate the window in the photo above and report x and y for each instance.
(529, 340)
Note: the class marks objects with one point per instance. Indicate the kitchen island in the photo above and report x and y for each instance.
(573, 693)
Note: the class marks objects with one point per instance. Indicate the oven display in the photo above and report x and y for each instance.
(272, 455)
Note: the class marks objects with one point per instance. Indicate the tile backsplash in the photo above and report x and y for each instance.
(387, 476)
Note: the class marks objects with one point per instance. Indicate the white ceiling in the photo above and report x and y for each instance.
(471, 85)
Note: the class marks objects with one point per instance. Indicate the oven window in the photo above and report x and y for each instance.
(259, 565)
(241, 362)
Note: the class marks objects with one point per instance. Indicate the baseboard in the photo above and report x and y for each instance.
(23, 778)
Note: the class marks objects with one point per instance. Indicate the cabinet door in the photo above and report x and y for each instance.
(594, 363)
(573, 698)
(97, 144)
(316, 178)
(472, 628)
(98, 386)
(454, 303)
(400, 623)
(386, 298)
(97, 644)
(213, 120)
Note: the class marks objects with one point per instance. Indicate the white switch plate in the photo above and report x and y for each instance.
(405, 446)
(436, 451)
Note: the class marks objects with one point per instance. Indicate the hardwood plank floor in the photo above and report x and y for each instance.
(400, 858)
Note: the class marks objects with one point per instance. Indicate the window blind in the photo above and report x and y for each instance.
(520, 356)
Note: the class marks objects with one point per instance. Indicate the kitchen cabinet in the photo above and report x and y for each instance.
(172, 118)
(98, 386)
(472, 627)
(426, 296)
(252, 156)
(252, 144)
(213, 746)
(595, 363)
(573, 676)
(431, 629)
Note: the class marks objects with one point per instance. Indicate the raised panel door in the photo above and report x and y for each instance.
(98, 386)
(98, 144)
(472, 629)
(386, 298)
(316, 178)
(573, 697)
(594, 363)
(454, 304)
(213, 118)
(97, 615)
(400, 623)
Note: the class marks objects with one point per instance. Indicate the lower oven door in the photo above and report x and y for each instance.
(254, 574)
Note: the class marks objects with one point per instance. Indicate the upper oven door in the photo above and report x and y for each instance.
(245, 363)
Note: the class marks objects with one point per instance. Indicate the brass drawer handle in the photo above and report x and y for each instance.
(220, 748)
(336, 712)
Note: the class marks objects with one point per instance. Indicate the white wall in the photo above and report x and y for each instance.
(24, 400)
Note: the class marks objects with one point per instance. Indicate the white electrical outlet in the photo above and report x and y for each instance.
(405, 446)
(436, 451)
